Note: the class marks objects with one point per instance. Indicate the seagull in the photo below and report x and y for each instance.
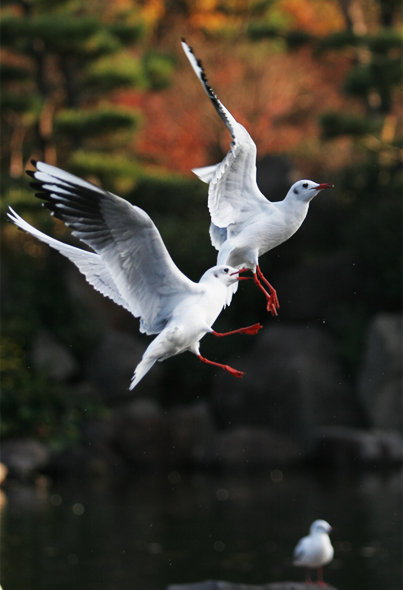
(315, 550)
(244, 224)
(131, 265)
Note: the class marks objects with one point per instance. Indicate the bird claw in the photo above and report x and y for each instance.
(252, 330)
(273, 305)
(234, 372)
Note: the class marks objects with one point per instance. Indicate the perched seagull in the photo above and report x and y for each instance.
(244, 224)
(132, 266)
(315, 550)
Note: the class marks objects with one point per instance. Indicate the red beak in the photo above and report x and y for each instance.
(324, 185)
(238, 272)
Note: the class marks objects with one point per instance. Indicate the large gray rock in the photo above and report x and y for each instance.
(221, 585)
(50, 355)
(294, 382)
(190, 431)
(112, 363)
(140, 433)
(24, 456)
(352, 447)
(380, 378)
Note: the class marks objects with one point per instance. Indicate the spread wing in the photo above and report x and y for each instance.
(135, 262)
(233, 192)
(89, 264)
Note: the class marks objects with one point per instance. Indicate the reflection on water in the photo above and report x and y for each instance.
(159, 529)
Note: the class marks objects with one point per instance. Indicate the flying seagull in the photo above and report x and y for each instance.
(315, 550)
(244, 224)
(131, 265)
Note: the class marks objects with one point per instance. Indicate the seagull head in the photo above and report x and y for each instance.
(227, 275)
(320, 527)
(306, 190)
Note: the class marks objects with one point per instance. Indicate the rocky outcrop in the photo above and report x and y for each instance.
(294, 382)
(50, 355)
(24, 456)
(380, 378)
(220, 585)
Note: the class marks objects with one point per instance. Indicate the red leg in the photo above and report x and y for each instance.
(320, 581)
(233, 372)
(251, 330)
(308, 576)
(272, 299)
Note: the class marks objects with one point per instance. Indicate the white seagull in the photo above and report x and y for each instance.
(244, 224)
(132, 266)
(315, 550)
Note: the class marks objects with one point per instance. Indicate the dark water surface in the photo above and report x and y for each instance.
(153, 530)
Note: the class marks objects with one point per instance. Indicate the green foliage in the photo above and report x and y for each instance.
(335, 124)
(33, 405)
(9, 73)
(115, 71)
(158, 69)
(381, 74)
(103, 120)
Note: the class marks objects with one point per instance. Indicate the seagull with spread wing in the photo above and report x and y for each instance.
(244, 224)
(131, 265)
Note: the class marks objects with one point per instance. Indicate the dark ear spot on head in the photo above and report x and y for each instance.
(216, 275)
(296, 191)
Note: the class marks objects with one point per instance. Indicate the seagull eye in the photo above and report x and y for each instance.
(305, 185)
(226, 270)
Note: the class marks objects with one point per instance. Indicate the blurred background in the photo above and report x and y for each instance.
(195, 474)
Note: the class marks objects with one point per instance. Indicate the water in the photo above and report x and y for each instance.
(151, 530)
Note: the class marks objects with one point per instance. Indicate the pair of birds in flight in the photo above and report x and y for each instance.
(131, 265)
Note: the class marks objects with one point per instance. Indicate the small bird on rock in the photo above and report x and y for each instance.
(314, 551)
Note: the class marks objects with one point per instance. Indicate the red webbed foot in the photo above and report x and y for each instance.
(227, 368)
(251, 330)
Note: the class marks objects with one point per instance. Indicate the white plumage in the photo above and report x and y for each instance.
(315, 550)
(244, 224)
(131, 265)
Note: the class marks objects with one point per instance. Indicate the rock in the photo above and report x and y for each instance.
(56, 359)
(252, 446)
(140, 434)
(112, 363)
(220, 585)
(380, 378)
(294, 382)
(24, 456)
(190, 431)
(350, 447)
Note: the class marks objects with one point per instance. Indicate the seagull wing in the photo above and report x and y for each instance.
(126, 240)
(300, 551)
(89, 264)
(233, 192)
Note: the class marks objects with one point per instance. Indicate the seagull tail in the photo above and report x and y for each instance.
(142, 369)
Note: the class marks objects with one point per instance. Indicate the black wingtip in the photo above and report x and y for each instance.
(34, 162)
(30, 173)
(183, 40)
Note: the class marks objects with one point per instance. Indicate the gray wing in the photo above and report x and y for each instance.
(233, 191)
(126, 240)
(300, 551)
